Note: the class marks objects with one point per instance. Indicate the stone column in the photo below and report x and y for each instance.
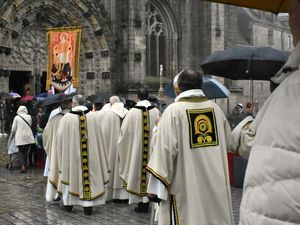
(2, 80)
(131, 40)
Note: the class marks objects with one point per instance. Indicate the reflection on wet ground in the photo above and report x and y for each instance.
(22, 202)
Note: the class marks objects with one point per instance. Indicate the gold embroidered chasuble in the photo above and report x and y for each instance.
(190, 158)
(133, 148)
(83, 162)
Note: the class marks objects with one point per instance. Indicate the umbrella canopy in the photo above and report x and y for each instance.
(4, 95)
(100, 97)
(129, 103)
(212, 89)
(245, 63)
(14, 95)
(42, 95)
(274, 6)
(56, 99)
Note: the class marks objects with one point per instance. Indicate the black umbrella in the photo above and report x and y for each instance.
(57, 99)
(5, 95)
(100, 97)
(51, 100)
(245, 63)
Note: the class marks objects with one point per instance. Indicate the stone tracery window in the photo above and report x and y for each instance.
(155, 40)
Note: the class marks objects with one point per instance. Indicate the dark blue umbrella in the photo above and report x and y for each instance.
(169, 90)
(212, 89)
(5, 95)
(245, 63)
(14, 95)
(42, 95)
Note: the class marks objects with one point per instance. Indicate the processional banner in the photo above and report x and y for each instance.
(63, 58)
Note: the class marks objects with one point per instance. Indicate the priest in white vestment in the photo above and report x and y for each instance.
(83, 161)
(49, 144)
(110, 123)
(133, 149)
(188, 166)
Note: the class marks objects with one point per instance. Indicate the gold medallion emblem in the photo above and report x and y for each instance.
(203, 127)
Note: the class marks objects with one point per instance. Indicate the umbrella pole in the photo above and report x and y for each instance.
(227, 106)
(251, 91)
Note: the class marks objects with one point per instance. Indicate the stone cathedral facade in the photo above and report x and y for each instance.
(125, 41)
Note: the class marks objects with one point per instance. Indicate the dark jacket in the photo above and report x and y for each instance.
(3, 111)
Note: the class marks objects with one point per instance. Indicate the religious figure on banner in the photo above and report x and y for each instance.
(63, 58)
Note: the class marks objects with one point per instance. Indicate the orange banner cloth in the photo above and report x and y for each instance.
(63, 58)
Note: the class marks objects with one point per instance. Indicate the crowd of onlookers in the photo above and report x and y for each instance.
(40, 114)
(8, 111)
(39, 117)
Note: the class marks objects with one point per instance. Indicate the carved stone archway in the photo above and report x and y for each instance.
(23, 27)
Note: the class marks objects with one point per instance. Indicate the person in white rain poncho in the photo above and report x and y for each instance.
(21, 129)
(271, 141)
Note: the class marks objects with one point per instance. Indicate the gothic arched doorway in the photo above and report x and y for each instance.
(18, 80)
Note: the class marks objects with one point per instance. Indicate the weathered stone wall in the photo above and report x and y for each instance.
(113, 49)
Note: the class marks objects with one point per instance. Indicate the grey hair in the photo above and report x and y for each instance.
(78, 100)
(114, 99)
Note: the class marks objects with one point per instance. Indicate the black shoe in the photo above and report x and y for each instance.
(68, 208)
(120, 201)
(88, 211)
(142, 208)
(57, 199)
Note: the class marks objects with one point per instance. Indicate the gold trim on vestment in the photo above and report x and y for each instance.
(192, 99)
(130, 191)
(154, 173)
(90, 199)
(74, 194)
(135, 193)
(173, 206)
(53, 183)
(124, 183)
(64, 182)
(145, 150)
(84, 150)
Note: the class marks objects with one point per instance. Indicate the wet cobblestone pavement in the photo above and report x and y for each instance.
(22, 201)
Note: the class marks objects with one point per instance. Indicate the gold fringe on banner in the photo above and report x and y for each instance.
(63, 57)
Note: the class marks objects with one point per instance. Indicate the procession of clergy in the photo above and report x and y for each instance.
(116, 154)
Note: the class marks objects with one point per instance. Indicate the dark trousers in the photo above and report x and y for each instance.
(2, 126)
(33, 155)
(23, 149)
